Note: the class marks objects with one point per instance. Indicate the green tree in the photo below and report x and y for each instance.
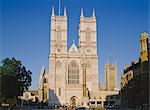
(15, 79)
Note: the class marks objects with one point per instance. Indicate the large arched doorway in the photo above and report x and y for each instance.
(73, 101)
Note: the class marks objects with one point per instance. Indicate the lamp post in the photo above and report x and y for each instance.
(85, 98)
(42, 90)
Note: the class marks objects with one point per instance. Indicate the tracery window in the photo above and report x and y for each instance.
(73, 73)
(88, 34)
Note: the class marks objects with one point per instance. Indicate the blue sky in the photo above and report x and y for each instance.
(25, 26)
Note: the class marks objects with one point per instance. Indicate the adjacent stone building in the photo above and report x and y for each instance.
(31, 95)
(43, 86)
(110, 71)
(135, 78)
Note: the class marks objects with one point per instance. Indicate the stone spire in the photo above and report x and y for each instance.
(42, 70)
(65, 13)
(82, 14)
(53, 13)
(93, 13)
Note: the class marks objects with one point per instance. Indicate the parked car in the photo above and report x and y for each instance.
(143, 107)
(111, 107)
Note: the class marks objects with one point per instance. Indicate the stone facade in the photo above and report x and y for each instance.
(135, 78)
(110, 71)
(65, 73)
(30, 95)
(72, 76)
(43, 85)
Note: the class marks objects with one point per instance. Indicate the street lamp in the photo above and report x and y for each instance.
(43, 89)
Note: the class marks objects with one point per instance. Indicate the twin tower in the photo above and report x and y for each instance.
(73, 72)
(86, 32)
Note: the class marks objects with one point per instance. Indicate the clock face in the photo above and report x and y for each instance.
(58, 50)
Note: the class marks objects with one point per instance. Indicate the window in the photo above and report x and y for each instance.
(92, 102)
(58, 35)
(32, 94)
(117, 97)
(111, 97)
(45, 80)
(98, 102)
(58, 64)
(59, 91)
(58, 67)
(88, 34)
(73, 73)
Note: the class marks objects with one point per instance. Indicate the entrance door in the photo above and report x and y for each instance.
(73, 101)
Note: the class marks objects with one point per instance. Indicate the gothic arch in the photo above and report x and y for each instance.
(73, 101)
(88, 34)
(58, 67)
(58, 33)
(73, 73)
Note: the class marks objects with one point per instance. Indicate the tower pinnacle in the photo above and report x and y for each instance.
(82, 14)
(53, 13)
(65, 11)
(93, 13)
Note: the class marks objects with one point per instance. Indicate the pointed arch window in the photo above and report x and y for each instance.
(58, 33)
(58, 67)
(88, 34)
(73, 73)
(59, 91)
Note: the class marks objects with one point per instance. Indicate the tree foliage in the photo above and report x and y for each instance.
(15, 79)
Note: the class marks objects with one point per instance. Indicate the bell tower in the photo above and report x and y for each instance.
(144, 46)
(58, 47)
(58, 33)
(87, 33)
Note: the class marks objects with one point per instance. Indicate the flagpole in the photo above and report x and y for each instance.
(59, 7)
